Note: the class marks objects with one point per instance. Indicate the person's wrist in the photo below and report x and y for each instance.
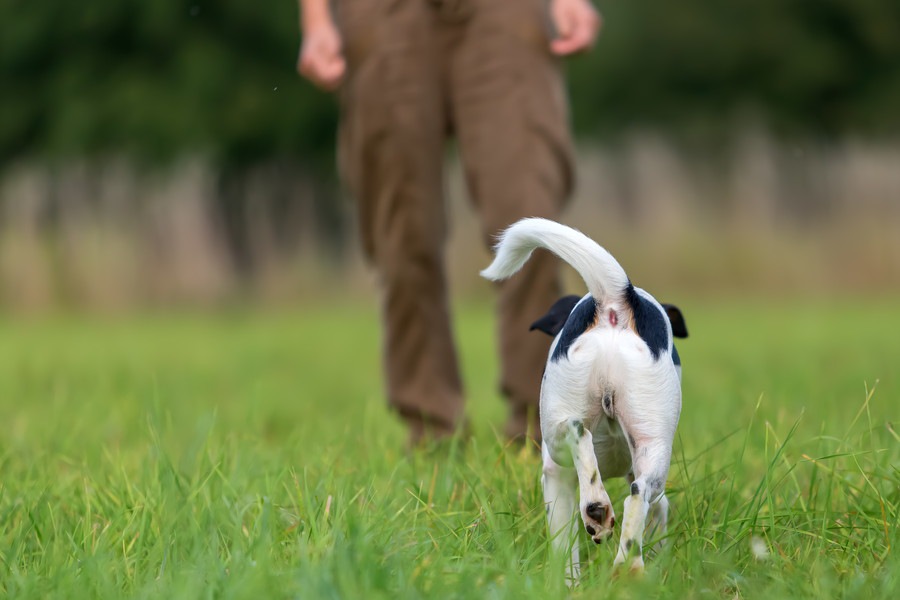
(316, 17)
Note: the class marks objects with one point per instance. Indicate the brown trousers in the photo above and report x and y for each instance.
(419, 71)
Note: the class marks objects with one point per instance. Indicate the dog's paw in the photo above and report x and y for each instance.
(635, 567)
(599, 519)
(629, 553)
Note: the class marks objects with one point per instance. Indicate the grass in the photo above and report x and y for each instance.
(251, 456)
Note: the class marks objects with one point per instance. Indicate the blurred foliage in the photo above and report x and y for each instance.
(694, 67)
(160, 79)
(157, 79)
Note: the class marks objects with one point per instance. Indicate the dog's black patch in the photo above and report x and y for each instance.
(596, 511)
(675, 358)
(629, 544)
(635, 489)
(594, 477)
(590, 530)
(649, 321)
(679, 328)
(607, 401)
(553, 322)
(579, 320)
(579, 427)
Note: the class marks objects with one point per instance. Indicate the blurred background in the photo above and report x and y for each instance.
(166, 154)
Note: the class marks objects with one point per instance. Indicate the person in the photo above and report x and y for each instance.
(410, 73)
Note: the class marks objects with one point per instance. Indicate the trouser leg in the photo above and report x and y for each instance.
(391, 153)
(509, 111)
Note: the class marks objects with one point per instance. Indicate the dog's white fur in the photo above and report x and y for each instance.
(608, 406)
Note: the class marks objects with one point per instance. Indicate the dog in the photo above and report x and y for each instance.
(610, 395)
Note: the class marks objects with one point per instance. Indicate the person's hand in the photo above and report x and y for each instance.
(321, 57)
(577, 25)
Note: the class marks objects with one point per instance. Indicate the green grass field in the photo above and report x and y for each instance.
(251, 456)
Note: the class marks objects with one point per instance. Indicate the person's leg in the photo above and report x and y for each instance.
(509, 111)
(391, 153)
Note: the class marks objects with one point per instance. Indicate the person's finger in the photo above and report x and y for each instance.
(561, 46)
(332, 73)
(327, 74)
(569, 44)
(582, 36)
(309, 66)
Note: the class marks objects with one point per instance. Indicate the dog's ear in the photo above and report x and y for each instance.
(679, 328)
(552, 322)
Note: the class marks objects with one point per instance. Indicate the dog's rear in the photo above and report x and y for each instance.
(611, 395)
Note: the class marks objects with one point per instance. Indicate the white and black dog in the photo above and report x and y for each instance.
(611, 393)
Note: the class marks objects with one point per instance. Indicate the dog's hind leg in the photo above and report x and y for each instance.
(638, 513)
(650, 441)
(559, 501)
(594, 503)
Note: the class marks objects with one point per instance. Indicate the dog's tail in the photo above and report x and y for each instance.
(603, 275)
